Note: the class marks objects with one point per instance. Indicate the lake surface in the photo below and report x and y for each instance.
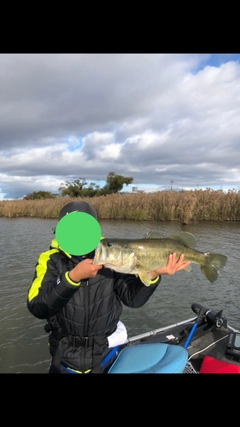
(23, 341)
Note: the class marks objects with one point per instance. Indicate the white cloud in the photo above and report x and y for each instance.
(155, 117)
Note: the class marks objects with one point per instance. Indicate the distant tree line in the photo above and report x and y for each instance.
(77, 188)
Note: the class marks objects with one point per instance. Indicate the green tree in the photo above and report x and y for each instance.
(91, 191)
(37, 195)
(72, 189)
(115, 182)
(76, 188)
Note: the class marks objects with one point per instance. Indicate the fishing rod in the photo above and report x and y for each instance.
(157, 331)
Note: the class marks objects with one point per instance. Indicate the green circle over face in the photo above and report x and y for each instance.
(78, 233)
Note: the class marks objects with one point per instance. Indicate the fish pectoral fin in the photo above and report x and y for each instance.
(188, 268)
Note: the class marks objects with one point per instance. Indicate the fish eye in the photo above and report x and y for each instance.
(109, 244)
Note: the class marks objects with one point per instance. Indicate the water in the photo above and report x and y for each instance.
(23, 342)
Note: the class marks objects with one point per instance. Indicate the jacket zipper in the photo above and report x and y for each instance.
(85, 326)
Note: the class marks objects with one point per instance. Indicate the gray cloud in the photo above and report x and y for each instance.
(158, 118)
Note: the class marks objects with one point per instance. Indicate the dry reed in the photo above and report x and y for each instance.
(183, 206)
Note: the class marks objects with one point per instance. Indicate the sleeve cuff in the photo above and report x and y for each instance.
(71, 281)
(151, 282)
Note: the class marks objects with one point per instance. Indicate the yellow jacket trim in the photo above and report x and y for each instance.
(40, 271)
(151, 282)
(71, 281)
(79, 372)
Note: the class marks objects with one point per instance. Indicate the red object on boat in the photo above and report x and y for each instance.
(215, 366)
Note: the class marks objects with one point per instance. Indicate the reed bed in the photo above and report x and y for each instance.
(183, 206)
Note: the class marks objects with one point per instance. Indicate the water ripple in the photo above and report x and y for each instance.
(23, 345)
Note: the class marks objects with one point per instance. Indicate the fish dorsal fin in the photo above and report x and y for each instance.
(187, 238)
(153, 235)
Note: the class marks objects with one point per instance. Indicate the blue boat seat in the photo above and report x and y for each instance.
(157, 358)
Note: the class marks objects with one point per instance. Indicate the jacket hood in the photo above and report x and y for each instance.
(77, 207)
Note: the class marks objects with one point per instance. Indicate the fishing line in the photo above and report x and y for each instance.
(210, 345)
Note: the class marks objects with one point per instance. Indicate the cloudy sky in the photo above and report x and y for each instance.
(167, 120)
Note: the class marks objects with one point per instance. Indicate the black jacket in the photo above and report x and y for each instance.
(91, 310)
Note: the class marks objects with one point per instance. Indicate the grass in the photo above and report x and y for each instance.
(183, 206)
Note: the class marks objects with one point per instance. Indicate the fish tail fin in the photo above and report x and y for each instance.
(213, 263)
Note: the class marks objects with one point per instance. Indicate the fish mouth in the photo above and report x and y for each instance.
(100, 254)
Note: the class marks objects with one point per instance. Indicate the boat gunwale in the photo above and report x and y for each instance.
(165, 328)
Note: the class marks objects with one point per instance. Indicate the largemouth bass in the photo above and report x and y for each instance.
(140, 256)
